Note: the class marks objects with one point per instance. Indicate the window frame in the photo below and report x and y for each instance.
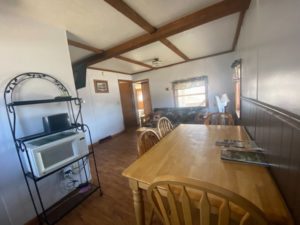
(237, 78)
(200, 78)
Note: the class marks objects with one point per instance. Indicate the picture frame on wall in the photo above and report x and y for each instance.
(101, 86)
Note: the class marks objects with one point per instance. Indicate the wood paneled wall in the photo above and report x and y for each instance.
(278, 132)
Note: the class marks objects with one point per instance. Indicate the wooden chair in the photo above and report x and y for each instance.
(219, 119)
(164, 126)
(146, 140)
(179, 201)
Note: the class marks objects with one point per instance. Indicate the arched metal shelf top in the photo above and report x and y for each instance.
(13, 83)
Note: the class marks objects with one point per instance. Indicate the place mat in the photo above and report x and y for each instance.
(252, 157)
(237, 144)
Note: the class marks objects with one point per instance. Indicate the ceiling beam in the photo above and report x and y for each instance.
(133, 61)
(170, 45)
(238, 30)
(200, 17)
(83, 46)
(126, 10)
(96, 50)
(107, 70)
(190, 60)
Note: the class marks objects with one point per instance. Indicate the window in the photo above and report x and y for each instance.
(191, 92)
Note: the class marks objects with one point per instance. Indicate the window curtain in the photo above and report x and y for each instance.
(189, 83)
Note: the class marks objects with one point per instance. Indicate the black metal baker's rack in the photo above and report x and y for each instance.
(54, 213)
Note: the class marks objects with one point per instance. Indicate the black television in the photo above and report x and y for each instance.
(79, 73)
(56, 122)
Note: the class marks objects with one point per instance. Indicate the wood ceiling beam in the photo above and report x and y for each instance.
(107, 70)
(126, 10)
(83, 46)
(174, 64)
(170, 45)
(134, 61)
(238, 30)
(97, 50)
(200, 17)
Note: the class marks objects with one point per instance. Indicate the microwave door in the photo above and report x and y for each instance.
(38, 171)
(35, 162)
(55, 156)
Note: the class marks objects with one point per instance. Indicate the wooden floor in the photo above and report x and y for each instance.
(115, 207)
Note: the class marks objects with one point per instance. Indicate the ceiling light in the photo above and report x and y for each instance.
(156, 62)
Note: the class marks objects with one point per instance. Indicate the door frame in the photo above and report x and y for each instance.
(133, 100)
(141, 81)
(136, 102)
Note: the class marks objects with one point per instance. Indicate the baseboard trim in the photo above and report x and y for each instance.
(106, 139)
(117, 134)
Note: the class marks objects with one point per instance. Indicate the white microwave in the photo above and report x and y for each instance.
(49, 153)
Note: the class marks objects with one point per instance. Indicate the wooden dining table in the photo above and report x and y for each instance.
(190, 151)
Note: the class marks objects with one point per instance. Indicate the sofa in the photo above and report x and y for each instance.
(187, 115)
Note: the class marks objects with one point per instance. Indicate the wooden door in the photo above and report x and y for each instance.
(146, 97)
(127, 102)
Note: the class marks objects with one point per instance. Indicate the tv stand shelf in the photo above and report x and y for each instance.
(54, 213)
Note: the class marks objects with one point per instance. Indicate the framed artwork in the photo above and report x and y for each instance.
(101, 86)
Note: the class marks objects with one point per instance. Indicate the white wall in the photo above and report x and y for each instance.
(27, 46)
(269, 46)
(102, 112)
(216, 68)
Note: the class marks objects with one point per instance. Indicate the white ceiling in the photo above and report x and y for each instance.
(98, 24)
(91, 22)
(214, 37)
(161, 12)
(119, 65)
(147, 53)
(78, 53)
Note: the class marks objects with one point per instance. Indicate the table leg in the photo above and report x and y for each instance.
(138, 202)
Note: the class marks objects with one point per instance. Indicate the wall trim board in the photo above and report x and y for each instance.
(278, 133)
(285, 116)
(108, 138)
(141, 81)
